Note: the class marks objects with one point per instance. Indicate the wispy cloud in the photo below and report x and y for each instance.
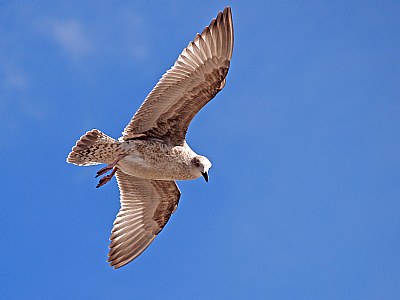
(71, 36)
(14, 78)
(132, 31)
(79, 39)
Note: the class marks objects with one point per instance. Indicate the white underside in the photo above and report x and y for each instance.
(156, 170)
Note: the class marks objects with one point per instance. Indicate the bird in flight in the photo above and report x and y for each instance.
(152, 152)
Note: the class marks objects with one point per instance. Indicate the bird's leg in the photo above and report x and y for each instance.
(106, 178)
(104, 170)
(109, 167)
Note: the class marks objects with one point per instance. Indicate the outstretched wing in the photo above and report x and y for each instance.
(196, 77)
(146, 206)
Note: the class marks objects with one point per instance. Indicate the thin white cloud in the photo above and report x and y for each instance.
(133, 30)
(14, 79)
(71, 36)
(139, 52)
(120, 34)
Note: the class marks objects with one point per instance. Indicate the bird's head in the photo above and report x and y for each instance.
(201, 165)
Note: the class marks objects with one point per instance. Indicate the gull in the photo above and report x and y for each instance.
(152, 152)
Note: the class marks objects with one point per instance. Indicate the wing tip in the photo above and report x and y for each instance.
(227, 10)
(118, 260)
(218, 39)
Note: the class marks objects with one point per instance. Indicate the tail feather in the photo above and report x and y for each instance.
(93, 148)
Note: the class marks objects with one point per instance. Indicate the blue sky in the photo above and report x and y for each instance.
(304, 194)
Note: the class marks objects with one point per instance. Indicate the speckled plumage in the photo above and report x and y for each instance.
(94, 148)
(152, 152)
(157, 160)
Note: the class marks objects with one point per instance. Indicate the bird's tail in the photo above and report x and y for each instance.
(93, 148)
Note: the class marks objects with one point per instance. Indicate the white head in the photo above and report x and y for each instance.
(201, 165)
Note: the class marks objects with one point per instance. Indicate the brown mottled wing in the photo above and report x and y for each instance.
(146, 206)
(196, 77)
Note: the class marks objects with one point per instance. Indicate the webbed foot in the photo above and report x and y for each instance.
(107, 168)
(106, 178)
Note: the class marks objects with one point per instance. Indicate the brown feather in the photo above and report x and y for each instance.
(197, 76)
(146, 206)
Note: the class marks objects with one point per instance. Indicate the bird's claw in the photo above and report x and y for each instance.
(107, 168)
(106, 178)
(104, 170)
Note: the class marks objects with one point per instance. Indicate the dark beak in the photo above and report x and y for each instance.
(205, 175)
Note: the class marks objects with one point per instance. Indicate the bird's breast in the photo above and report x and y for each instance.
(157, 161)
